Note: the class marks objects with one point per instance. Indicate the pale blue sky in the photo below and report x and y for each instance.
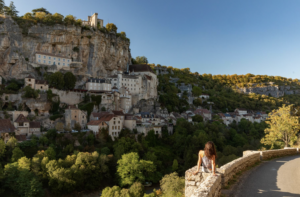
(208, 36)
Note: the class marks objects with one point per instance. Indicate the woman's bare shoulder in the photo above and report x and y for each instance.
(201, 152)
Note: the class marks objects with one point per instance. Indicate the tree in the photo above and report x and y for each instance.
(2, 5)
(70, 81)
(59, 126)
(141, 60)
(28, 16)
(97, 100)
(58, 18)
(196, 91)
(130, 169)
(12, 142)
(172, 185)
(17, 153)
(197, 102)
(30, 93)
(125, 145)
(12, 86)
(69, 20)
(57, 80)
(175, 165)
(197, 118)
(11, 10)
(111, 27)
(40, 10)
(283, 127)
(77, 127)
(24, 163)
(40, 15)
(50, 153)
(2, 148)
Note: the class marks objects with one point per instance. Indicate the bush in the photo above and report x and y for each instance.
(76, 49)
(54, 117)
(111, 27)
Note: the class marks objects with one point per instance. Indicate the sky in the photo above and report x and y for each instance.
(207, 36)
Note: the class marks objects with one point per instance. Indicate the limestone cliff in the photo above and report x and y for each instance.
(100, 53)
(275, 91)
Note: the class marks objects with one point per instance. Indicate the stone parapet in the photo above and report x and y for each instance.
(207, 185)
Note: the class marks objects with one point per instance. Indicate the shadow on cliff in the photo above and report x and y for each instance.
(262, 182)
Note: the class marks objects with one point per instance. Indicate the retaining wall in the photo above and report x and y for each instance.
(207, 185)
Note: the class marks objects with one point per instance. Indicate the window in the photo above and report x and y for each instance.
(58, 63)
(54, 58)
(49, 62)
(63, 60)
(29, 79)
(75, 116)
(68, 64)
(45, 61)
(39, 60)
(114, 122)
(118, 127)
(41, 87)
(49, 58)
(53, 63)
(44, 57)
(21, 124)
(39, 56)
(58, 59)
(68, 60)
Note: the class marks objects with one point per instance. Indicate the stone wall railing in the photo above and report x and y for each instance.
(207, 185)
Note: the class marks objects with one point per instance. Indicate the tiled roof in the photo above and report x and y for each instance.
(201, 111)
(41, 82)
(30, 77)
(118, 113)
(100, 114)
(6, 126)
(21, 138)
(21, 118)
(222, 115)
(52, 54)
(107, 117)
(94, 122)
(140, 68)
(34, 124)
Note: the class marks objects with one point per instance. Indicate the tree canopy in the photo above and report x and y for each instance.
(111, 27)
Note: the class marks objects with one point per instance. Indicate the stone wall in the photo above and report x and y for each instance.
(69, 97)
(207, 185)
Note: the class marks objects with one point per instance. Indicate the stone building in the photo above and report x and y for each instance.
(114, 125)
(130, 122)
(35, 84)
(74, 115)
(96, 125)
(6, 129)
(25, 127)
(98, 84)
(204, 113)
(125, 99)
(93, 21)
(49, 59)
(161, 70)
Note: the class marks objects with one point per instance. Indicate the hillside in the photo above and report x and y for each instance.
(99, 52)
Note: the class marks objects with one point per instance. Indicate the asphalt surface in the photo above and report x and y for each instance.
(276, 178)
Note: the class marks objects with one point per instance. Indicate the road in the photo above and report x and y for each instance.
(276, 178)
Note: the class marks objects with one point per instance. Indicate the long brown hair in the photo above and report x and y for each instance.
(210, 150)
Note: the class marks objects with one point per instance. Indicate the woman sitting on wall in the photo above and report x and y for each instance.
(207, 158)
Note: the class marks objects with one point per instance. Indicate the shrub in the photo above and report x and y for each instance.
(54, 117)
(76, 49)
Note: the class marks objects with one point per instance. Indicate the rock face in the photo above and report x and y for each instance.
(275, 91)
(99, 53)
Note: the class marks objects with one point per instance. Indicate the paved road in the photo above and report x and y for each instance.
(275, 178)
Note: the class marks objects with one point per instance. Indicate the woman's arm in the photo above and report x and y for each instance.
(213, 161)
(198, 164)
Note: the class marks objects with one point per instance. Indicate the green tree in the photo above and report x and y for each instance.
(131, 168)
(2, 148)
(283, 127)
(2, 5)
(11, 10)
(125, 145)
(175, 165)
(12, 86)
(17, 153)
(141, 60)
(70, 81)
(24, 163)
(97, 100)
(197, 118)
(172, 185)
(58, 18)
(34, 11)
(111, 27)
(12, 142)
(70, 20)
(77, 126)
(30, 93)
(59, 126)
(50, 153)
(196, 91)
(57, 80)
(197, 102)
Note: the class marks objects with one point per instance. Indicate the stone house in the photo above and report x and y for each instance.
(130, 122)
(51, 59)
(15, 114)
(25, 127)
(6, 129)
(204, 113)
(114, 125)
(98, 115)
(41, 85)
(258, 119)
(227, 119)
(120, 115)
(125, 99)
(96, 125)
(98, 84)
(131, 82)
(73, 115)
(241, 111)
(93, 21)
(249, 117)
(204, 97)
